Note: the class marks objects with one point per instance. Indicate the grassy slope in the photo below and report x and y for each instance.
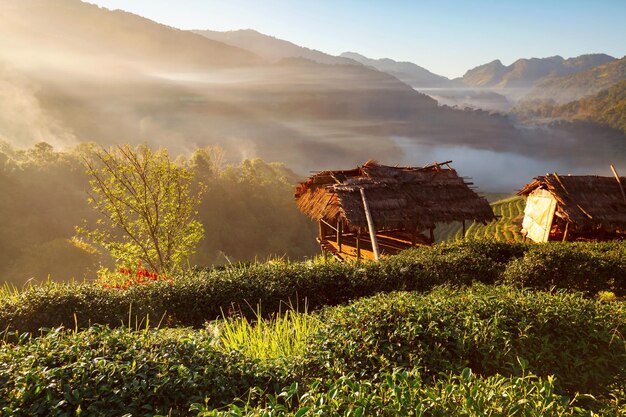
(506, 228)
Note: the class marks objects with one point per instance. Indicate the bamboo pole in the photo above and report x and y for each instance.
(619, 182)
(339, 231)
(370, 226)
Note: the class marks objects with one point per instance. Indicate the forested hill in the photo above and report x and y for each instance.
(247, 212)
(608, 107)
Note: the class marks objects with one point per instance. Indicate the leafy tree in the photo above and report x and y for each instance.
(148, 212)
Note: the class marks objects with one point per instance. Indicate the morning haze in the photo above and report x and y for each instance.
(73, 73)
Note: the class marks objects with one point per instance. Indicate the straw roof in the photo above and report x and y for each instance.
(398, 197)
(587, 202)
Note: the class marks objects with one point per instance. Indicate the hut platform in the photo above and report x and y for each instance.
(389, 243)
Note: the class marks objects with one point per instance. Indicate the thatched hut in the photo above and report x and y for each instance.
(572, 208)
(376, 209)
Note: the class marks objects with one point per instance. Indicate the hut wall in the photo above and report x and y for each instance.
(538, 215)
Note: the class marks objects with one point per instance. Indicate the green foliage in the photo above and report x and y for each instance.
(403, 393)
(196, 297)
(113, 372)
(483, 328)
(587, 267)
(282, 335)
(477, 351)
(248, 213)
(148, 212)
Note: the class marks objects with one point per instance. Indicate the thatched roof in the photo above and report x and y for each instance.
(398, 197)
(585, 201)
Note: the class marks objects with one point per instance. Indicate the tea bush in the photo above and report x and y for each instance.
(403, 393)
(196, 297)
(112, 372)
(484, 328)
(587, 267)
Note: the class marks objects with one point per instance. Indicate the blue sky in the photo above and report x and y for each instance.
(446, 37)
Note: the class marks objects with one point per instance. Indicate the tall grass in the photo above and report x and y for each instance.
(280, 336)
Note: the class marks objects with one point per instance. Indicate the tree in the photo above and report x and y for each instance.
(147, 207)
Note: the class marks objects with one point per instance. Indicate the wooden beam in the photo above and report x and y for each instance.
(339, 234)
(565, 233)
(370, 225)
(328, 224)
(320, 230)
(358, 245)
(619, 182)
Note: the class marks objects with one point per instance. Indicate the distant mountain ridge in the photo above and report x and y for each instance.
(408, 72)
(575, 86)
(525, 72)
(72, 26)
(271, 48)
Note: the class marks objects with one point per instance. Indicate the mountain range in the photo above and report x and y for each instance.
(72, 72)
(524, 73)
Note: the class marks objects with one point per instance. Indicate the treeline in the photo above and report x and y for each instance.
(247, 212)
(607, 107)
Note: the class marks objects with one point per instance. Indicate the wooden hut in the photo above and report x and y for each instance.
(374, 209)
(572, 208)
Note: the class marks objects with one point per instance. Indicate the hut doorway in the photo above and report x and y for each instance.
(538, 215)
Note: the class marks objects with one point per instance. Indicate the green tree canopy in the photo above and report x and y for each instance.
(148, 212)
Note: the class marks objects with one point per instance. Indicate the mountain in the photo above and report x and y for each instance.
(72, 72)
(525, 73)
(572, 87)
(608, 107)
(487, 75)
(271, 48)
(408, 72)
(69, 32)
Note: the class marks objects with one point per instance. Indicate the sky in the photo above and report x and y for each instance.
(448, 37)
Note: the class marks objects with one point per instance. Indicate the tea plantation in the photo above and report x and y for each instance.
(471, 328)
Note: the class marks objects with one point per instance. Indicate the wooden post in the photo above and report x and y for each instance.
(619, 182)
(370, 226)
(565, 233)
(358, 245)
(320, 230)
(463, 237)
(339, 234)
(432, 235)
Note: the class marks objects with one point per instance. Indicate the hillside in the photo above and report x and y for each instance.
(54, 34)
(271, 48)
(73, 72)
(506, 229)
(408, 72)
(575, 86)
(526, 72)
(608, 107)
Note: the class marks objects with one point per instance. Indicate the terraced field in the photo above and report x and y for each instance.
(507, 228)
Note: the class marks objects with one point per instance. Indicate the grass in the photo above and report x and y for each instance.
(282, 335)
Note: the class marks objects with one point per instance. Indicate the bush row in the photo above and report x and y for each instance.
(101, 371)
(489, 329)
(196, 297)
(387, 354)
(403, 393)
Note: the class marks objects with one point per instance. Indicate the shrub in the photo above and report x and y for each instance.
(587, 267)
(483, 328)
(113, 372)
(403, 393)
